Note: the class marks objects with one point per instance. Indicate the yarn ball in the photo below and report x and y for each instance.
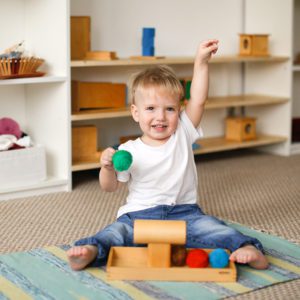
(218, 258)
(122, 160)
(178, 255)
(10, 126)
(197, 258)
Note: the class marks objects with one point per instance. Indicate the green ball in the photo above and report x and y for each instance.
(122, 160)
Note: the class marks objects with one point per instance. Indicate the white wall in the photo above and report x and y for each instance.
(180, 25)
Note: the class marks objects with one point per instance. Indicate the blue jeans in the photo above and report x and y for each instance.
(203, 231)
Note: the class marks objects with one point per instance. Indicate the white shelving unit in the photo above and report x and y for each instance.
(261, 86)
(41, 105)
(295, 146)
(215, 142)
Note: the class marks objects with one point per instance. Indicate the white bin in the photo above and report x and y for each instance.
(22, 167)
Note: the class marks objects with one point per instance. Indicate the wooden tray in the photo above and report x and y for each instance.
(13, 76)
(130, 263)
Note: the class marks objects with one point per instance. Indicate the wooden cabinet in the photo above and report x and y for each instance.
(40, 105)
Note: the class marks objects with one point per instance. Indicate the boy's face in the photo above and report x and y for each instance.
(157, 113)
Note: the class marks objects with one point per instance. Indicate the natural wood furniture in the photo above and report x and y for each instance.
(154, 261)
(254, 44)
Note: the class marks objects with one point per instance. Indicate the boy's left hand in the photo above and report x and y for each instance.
(205, 50)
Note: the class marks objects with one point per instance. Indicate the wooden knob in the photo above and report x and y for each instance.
(159, 231)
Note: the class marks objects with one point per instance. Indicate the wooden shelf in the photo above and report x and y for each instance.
(175, 61)
(101, 114)
(217, 144)
(243, 100)
(212, 103)
(207, 145)
(85, 166)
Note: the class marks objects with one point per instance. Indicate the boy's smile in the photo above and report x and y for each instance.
(157, 113)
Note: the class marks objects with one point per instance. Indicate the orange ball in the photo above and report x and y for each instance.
(197, 258)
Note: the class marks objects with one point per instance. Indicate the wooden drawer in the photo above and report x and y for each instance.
(95, 95)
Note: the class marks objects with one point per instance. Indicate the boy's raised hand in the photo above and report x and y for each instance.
(205, 51)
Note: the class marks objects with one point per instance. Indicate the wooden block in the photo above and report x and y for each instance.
(80, 36)
(101, 55)
(254, 44)
(95, 95)
(240, 129)
(159, 231)
(84, 144)
(159, 255)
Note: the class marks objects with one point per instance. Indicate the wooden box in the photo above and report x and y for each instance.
(254, 44)
(240, 129)
(84, 144)
(101, 55)
(97, 95)
(80, 36)
(154, 262)
(131, 263)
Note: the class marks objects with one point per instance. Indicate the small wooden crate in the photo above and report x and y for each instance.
(84, 144)
(240, 129)
(80, 36)
(254, 44)
(101, 55)
(97, 95)
(131, 263)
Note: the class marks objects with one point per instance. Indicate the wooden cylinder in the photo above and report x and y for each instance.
(159, 231)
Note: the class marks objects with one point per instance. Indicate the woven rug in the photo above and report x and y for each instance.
(44, 274)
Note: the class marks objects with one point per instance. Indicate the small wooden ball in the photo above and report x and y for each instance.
(218, 258)
(122, 160)
(197, 258)
(178, 255)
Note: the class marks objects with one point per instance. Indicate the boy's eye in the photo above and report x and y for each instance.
(149, 108)
(170, 109)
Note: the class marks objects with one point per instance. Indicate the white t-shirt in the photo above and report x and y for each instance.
(162, 175)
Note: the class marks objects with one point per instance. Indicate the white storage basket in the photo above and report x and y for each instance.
(22, 167)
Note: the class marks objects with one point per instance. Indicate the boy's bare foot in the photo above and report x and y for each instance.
(250, 255)
(80, 256)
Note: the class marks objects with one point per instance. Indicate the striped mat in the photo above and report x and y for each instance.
(44, 274)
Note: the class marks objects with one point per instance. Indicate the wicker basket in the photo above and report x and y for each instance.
(20, 67)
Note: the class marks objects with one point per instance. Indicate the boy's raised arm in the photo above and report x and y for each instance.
(199, 88)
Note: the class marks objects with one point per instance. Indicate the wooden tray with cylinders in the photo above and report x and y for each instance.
(154, 261)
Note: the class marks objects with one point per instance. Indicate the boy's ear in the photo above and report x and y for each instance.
(134, 112)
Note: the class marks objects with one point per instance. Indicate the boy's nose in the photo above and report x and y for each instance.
(160, 114)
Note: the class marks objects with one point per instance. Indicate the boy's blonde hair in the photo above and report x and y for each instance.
(160, 76)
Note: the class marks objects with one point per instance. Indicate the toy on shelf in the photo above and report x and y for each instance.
(148, 48)
(122, 160)
(240, 129)
(101, 55)
(84, 144)
(166, 240)
(13, 63)
(97, 95)
(254, 44)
